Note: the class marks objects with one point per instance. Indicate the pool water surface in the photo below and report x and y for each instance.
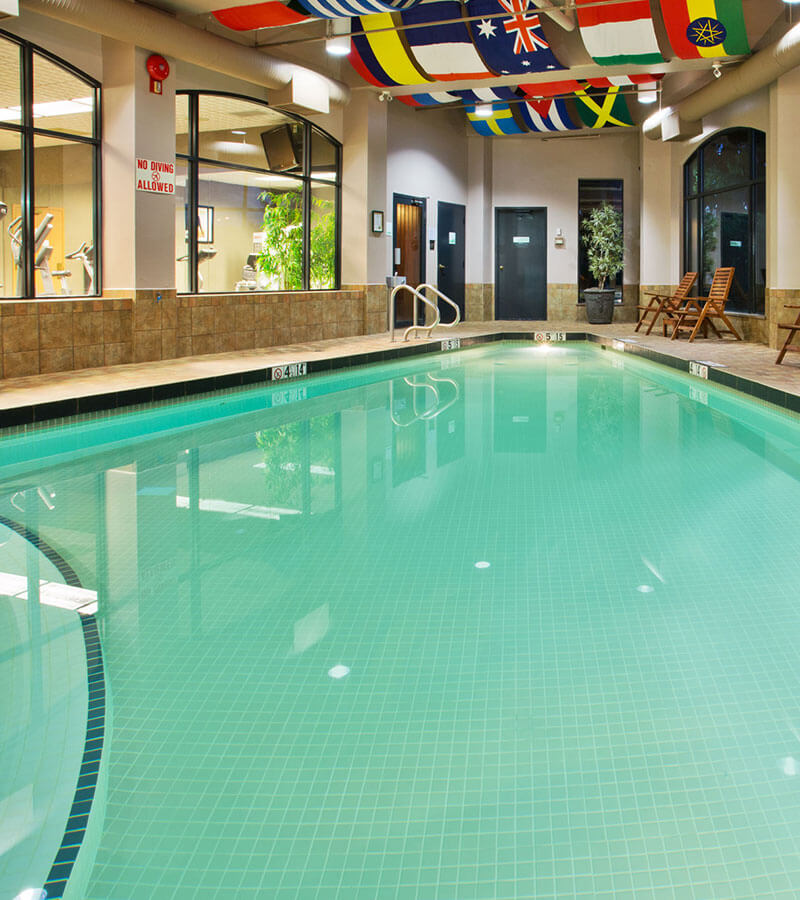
(510, 622)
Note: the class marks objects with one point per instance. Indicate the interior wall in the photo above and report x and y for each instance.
(426, 157)
(530, 171)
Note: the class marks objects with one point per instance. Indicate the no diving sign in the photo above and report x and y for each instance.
(154, 176)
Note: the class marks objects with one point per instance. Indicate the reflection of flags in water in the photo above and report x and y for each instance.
(601, 108)
(512, 45)
(501, 121)
(705, 29)
(381, 56)
(545, 115)
(443, 52)
(619, 32)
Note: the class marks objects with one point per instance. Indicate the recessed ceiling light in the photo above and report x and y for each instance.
(238, 131)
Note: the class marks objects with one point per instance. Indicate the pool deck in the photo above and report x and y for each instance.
(752, 361)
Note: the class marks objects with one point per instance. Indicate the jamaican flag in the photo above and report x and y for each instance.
(601, 108)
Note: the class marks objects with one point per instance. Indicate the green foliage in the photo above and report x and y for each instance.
(602, 237)
(281, 256)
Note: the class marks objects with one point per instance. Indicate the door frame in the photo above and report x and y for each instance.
(497, 211)
(423, 244)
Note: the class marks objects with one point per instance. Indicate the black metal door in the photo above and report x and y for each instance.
(520, 263)
(450, 241)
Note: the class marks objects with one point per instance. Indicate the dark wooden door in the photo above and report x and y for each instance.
(450, 233)
(520, 263)
(408, 254)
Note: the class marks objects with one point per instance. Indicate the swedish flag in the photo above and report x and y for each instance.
(500, 122)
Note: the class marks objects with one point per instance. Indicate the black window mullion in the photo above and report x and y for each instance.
(307, 208)
(27, 269)
(97, 185)
(192, 191)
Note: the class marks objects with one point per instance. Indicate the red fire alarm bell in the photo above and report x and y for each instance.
(158, 69)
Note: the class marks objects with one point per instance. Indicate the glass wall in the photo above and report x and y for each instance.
(49, 172)
(592, 194)
(724, 214)
(263, 191)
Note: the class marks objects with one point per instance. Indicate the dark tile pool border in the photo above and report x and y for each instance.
(85, 788)
(37, 415)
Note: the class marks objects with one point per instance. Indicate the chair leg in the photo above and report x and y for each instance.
(793, 329)
(655, 317)
(700, 319)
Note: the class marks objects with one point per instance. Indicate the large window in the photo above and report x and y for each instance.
(724, 214)
(592, 194)
(49, 175)
(258, 198)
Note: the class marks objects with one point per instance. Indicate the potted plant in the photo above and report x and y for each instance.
(602, 237)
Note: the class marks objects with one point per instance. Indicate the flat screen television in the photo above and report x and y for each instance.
(282, 148)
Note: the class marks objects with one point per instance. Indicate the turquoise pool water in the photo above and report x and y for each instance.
(314, 691)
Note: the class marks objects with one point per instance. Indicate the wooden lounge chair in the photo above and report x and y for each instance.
(792, 329)
(699, 313)
(660, 302)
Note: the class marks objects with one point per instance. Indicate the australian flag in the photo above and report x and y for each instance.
(514, 44)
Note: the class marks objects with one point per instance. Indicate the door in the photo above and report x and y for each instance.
(450, 231)
(409, 252)
(520, 256)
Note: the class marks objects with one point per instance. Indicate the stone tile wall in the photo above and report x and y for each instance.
(479, 302)
(38, 337)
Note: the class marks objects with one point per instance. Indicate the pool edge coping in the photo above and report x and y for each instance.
(31, 417)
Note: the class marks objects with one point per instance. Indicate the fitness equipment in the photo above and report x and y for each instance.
(3, 213)
(85, 253)
(42, 250)
(202, 256)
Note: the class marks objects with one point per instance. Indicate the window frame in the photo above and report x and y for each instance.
(193, 160)
(619, 281)
(756, 307)
(28, 133)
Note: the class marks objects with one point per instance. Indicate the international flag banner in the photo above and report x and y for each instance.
(335, 9)
(483, 95)
(381, 57)
(551, 88)
(545, 115)
(624, 80)
(616, 32)
(501, 121)
(261, 15)
(600, 109)
(705, 28)
(442, 52)
(514, 44)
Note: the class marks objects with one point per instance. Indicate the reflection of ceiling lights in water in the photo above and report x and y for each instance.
(31, 894)
(482, 565)
(338, 671)
(51, 593)
(645, 589)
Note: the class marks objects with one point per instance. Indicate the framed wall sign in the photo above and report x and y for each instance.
(377, 221)
(205, 224)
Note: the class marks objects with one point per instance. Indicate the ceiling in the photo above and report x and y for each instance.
(437, 68)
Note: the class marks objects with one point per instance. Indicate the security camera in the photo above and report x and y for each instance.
(716, 70)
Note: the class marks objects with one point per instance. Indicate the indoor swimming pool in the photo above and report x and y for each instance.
(508, 622)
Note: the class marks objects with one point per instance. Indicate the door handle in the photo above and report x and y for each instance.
(441, 266)
(501, 267)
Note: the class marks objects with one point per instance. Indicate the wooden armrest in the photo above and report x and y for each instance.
(791, 305)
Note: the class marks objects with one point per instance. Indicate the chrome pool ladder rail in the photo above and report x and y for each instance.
(441, 296)
(417, 296)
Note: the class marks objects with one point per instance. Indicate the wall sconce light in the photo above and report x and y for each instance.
(559, 238)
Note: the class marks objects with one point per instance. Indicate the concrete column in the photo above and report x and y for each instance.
(659, 225)
(783, 201)
(479, 272)
(138, 227)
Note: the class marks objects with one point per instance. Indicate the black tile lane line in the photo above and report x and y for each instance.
(95, 725)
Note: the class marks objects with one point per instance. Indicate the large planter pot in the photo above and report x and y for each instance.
(599, 305)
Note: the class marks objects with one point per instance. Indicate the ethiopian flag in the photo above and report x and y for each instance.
(617, 32)
(705, 28)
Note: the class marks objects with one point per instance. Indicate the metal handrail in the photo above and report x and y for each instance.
(427, 286)
(432, 413)
(417, 296)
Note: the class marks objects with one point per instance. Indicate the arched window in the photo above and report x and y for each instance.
(49, 174)
(724, 214)
(262, 188)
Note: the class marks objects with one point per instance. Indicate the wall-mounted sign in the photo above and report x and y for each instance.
(155, 177)
(290, 370)
(547, 337)
(698, 369)
(521, 239)
(451, 237)
(451, 344)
